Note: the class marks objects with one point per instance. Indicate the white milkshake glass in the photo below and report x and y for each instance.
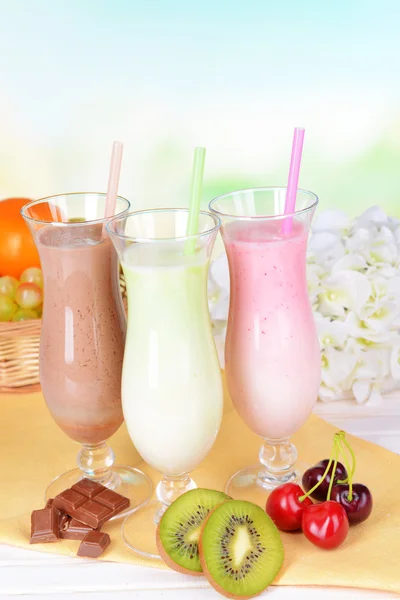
(172, 395)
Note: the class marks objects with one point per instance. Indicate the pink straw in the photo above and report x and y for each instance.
(293, 179)
(113, 180)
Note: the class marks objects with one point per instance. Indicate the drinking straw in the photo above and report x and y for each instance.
(195, 198)
(113, 180)
(293, 179)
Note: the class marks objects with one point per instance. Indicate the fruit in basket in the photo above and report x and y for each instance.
(28, 295)
(7, 308)
(17, 248)
(32, 275)
(240, 548)
(8, 286)
(180, 526)
(21, 300)
(24, 314)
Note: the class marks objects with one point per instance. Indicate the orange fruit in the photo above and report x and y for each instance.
(17, 248)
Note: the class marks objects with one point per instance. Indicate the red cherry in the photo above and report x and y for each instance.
(326, 525)
(285, 508)
(359, 508)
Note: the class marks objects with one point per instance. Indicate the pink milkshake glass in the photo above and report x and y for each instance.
(272, 352)
(83, 336)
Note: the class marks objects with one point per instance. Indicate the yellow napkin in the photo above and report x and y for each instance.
(34, 450)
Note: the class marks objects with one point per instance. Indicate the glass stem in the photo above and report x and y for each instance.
(96, 462)
(278, 459)
(170, 488)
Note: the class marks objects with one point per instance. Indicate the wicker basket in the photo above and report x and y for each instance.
(19, 353)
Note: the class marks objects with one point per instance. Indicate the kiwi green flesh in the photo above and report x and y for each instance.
(182, 522)
(241, 548)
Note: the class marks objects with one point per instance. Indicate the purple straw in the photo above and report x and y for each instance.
(293, 179)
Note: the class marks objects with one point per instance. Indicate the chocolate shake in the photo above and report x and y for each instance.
(83, 333)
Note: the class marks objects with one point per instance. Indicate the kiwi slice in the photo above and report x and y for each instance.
(179, 529)
(240, 549)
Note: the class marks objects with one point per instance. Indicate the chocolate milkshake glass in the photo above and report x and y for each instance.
(83, 336)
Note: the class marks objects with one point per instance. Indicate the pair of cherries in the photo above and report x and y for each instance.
(341, 502)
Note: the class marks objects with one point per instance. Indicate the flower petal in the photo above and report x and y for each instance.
(219, 271)
(331, 220)
(349, 289)
(354, 262)
(336, 366)
(332, 333)
(361, 390)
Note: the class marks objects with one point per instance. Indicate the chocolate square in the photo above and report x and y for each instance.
(75, 530)
(113, 501)
(68, 501)
(88, 488)
(93, 514)
(93, 544)
(45, 526)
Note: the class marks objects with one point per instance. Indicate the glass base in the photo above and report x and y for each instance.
(139, 529)
(129, 482)
(252, 484)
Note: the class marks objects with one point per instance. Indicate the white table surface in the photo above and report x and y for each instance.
(43, 576)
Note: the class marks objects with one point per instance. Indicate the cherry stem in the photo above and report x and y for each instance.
(348, 479)
(351, 471)
(334, 452)
(337, 451)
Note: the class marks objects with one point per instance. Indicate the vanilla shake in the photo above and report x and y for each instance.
(171, 383)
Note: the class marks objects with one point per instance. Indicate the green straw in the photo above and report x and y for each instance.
(195, 198)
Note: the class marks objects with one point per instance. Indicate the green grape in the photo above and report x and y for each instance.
(28, 295)
(7, 308)
(23, 314)
(32, 275)
(8, 286)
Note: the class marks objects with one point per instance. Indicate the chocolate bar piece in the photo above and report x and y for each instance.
(45, 526)
(92, 513)
(75, 530)
(68, 501)
(88, 488)
(64, 520)
(113, 501)
(49, 503)
(93, 544)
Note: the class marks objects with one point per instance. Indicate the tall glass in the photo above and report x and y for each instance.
(272, 354)
(83, 336)
(172, 393)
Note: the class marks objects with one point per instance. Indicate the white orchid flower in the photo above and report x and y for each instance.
(326, 247)
(314, 275)
(379, 247)
(367, 392)
(352, 262)
(374, 215)
(332, 334)
(368, 337)
(332, 220)
(344, 290)
(336, 366)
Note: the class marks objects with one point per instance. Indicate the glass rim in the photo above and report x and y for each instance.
(263, 217)
(73, 223)
(149, 240)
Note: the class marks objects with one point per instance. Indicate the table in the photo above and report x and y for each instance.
(42, 576)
